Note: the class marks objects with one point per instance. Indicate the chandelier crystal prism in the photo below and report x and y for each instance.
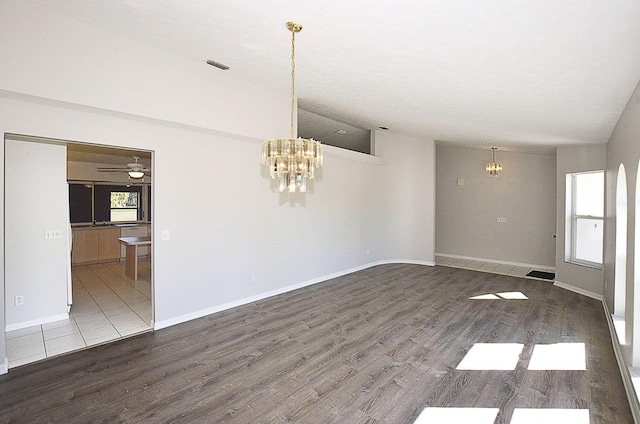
(292, 161)
(494, 168)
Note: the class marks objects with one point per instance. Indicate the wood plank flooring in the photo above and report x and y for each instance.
(376, 346)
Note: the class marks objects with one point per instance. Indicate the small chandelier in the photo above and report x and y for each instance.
(292, 160)
(494, 168)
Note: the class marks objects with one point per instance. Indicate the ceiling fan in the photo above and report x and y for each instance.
(136, 170)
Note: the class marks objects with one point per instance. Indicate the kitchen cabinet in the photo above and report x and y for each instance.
(85, 246)
(108, 244)
(95, 245)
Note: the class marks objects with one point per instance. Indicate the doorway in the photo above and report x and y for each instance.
(104, 303)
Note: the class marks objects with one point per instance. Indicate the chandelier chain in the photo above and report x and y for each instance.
(293, 80)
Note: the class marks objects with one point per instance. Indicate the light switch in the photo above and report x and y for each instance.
(52, 234)
(460, 181)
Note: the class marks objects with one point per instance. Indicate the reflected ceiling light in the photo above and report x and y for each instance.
(292, 161)
(494, 168)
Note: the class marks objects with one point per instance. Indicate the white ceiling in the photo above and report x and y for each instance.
(495, 72)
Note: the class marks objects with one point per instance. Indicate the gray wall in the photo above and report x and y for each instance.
(524, 193)
(311, 125)
(570, 160)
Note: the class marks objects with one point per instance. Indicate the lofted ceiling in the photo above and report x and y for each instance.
(538, 73)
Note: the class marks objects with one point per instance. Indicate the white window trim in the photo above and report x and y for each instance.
(571, 223)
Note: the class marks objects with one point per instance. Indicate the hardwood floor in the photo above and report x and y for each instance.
(376, 346)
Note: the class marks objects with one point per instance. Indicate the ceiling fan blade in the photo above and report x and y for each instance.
(131, 167)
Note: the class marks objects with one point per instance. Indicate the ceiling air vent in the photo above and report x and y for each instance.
(217, 64)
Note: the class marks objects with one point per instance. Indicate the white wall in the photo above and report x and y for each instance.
(56, 57)
(571, 160)
(4, 363)
(36, 200)
(624, 147)
(227, 221)
(524, 193)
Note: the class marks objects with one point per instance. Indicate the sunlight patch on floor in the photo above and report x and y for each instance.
(492, 356)
(488, 296)
(457, 415)
(504, 295)
(559, 356)
(513, 296)
(550, 416)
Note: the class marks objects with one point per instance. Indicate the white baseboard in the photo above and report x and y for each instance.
(578, 290)
(219, 308)
(629, 388)
(494, 261)
(4, 368)
(39, 321)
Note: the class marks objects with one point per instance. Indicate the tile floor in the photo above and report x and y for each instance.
(107, 306)
(491, 267)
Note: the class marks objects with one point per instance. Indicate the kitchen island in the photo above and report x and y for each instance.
(132, 244)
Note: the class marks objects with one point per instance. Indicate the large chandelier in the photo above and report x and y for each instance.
(494, 168)
(292, 161)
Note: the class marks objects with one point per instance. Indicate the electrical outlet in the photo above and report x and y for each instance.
(368, 252)
(502, 220)
(165, 235)
(19, 300)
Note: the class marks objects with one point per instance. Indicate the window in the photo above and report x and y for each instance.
(124, 206)
(585, 213)
(99, 203)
